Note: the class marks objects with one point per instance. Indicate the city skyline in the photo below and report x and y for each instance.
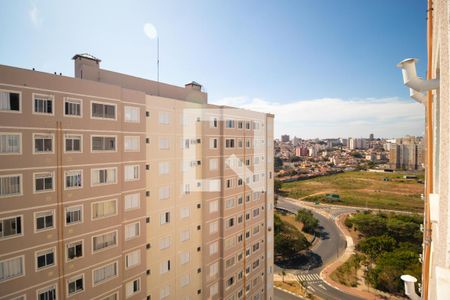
(276, 49)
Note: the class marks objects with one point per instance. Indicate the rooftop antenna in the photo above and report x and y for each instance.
(151, 33)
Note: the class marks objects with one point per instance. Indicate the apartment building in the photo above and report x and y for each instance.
(117, 187)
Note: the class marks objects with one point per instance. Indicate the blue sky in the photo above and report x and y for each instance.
(325, 68)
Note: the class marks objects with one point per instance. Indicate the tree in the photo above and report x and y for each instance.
(278, 163)
(276, 186)
(374, 246)
(310, 223)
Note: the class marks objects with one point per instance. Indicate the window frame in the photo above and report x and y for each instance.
(73, 100)
(81, 206)
(126, 230)
(20, 143)
(103, 201)
(66, 137)
(104, 136)
(76, 277)
(41, 251)
(20, 185)
(133, 208)
(103, 103)
(66, 247)
(106, 183)
(73, 187)
(3, 237)
(108, 279)
(50, 97)
(138, 115)
(127, 267)
(138, 137)
(20, 101)
(93, 251)
(52, 213)
(125, 179)
(46, 289)
(43, 152)
(22, 258)
(134, 292)
(53, 189)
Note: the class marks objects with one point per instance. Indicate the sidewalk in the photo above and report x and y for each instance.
(349, 251)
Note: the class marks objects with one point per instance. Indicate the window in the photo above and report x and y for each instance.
(164, 243)
(229, 203)
(164, 292)
(43, 143)
(164, 118)
(213, 227)
(43, 182)
(48, 293)
(10, 185)
(213, 206)
(229, 143)
(133, 259)
(11, 226)
(131, 172)
(11, 268)
(132, 114)
(255, 212)
(106, 240)
(230, 262)
(132, 201)
(72, 107)
(103, 110)
(240, 124)
(163, 143)
(104, 209)
(213, 248)
(43, 104)
(185, 235)
(10, 101)
(133, 287)
(103, 143)
(230, 281)
(74, 214)
(104, 273)
(73, 143)
(165, 218)
(185, 257)
(164, 267)
(229, 123)
(44, 220)
(10, 143)
(74, 250)
(213, 164)
(229, 243)
(75, 285)
(214, 269)
(164, 192)
(214, 289)
(230, 222)
(213, 123)
(131, 143)
(73, 179)
(103, 176)
(213, 143)
(247, 125)
(185, 280)
(132, 230)
(229, 183)
(164, 168)
(247, 143)
(45, 258)
(185, 212)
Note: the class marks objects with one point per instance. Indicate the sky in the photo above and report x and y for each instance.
(325, 68)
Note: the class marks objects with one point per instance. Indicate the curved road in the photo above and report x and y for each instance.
(332, 245)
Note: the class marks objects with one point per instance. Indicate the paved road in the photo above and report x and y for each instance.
(281, 295)
(332, 245)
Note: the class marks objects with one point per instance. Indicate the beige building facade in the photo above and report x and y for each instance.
(116, 187)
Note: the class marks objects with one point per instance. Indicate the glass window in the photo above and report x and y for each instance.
(104, 111)
(10, 143)
(44, 220)
(11, 226)
(103, 143)
(72, 107)
(11, 267)
(74, 214)
(9, 101)
(132, 114)
(45, 258)
(10, 185)
(73, 143)
(43, 143)
(43, 104)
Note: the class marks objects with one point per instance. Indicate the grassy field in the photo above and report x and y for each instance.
(359, 189)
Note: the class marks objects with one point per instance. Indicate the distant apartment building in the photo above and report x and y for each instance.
(406, 154)
(301, 151)
(285, 138)
(357, 143)
(117, 187)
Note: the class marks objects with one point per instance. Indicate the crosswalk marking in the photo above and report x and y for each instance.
(321, 286)
(310, 277)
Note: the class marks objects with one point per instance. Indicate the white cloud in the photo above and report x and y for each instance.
(150, 31)
(334, 117)
(35, 15)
